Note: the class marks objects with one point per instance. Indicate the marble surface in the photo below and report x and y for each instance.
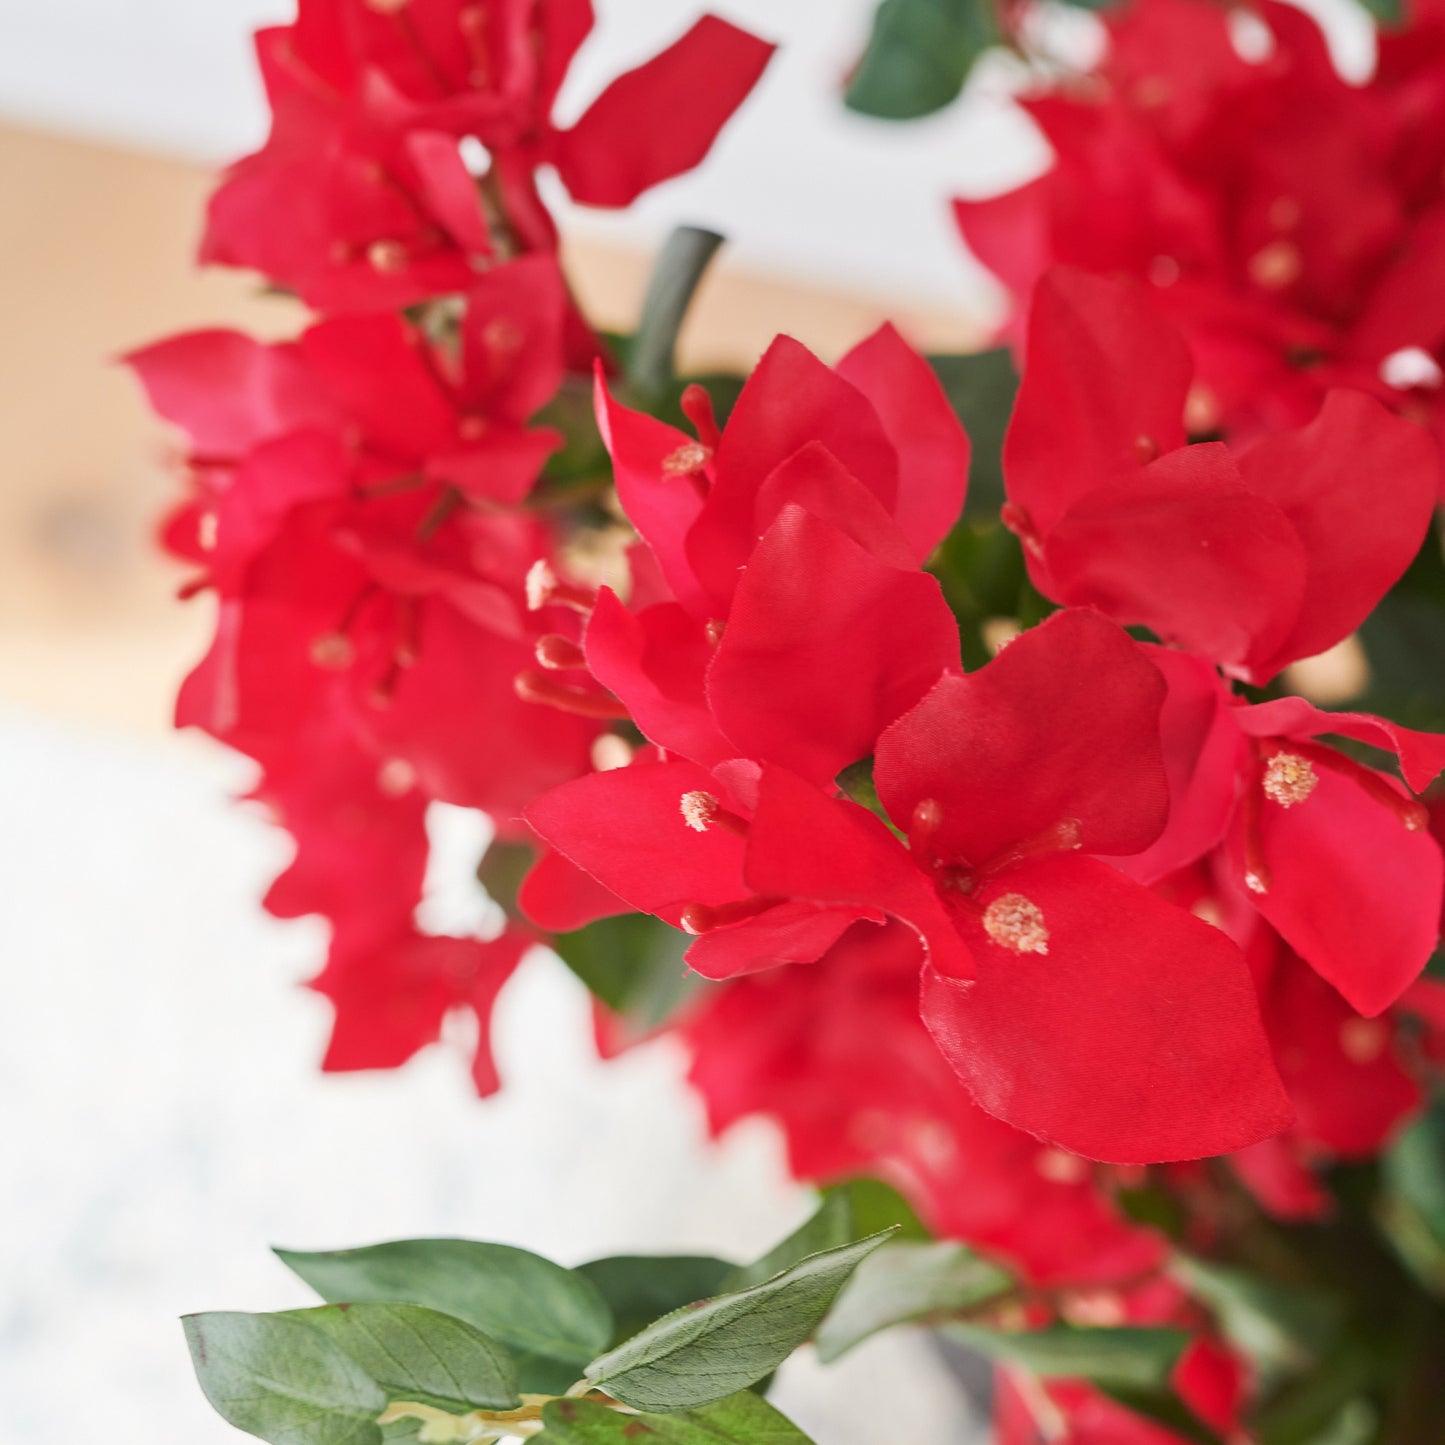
(164, 1121)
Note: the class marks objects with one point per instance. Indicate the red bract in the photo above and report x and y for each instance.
(1252, 559)
(1074, 1003)
(1288, 222)
(371, 102)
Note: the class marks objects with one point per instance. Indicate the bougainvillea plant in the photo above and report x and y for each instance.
(935, 745)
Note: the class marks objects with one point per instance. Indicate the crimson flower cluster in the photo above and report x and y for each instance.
(1289, 222)
(358, 496)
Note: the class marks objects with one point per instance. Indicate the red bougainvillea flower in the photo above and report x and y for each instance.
(1335, 854)
(1252, 558)
(1289, 222)
(1072, 1001)
(372, 102)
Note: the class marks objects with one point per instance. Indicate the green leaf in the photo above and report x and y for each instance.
(703, 1353)
(420, 1355)
(1126, 1359)
(634, 965)
(501, 871)
(1412, 1211)
(1284, 1330)
(981, 387)
(830, 1226)
(552, 1319)
(1388, 13)
(878, 1206)
(676, 274)
(283, 1381)
(640, 1288)
(741, 1419)
(919, 56)
(1164, 1408)
(903, 1283)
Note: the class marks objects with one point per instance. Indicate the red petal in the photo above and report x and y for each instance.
(512, 338)
(448, 189)
(932, 446)
(1135, 1039)
(789, 933)
(1422, 755)
(626, 829)
(229, 392)
(1353, 891)
(1062, 725)
(558, 896)
(825, 646)
(791, 399)
(805, 844)
(1186, 549)
(662, 507)
(1327, 479)
(1102, 393)
(656, 661)
(660, 119)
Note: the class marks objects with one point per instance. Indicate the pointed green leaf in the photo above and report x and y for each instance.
(1164, 1408)
(905, 1282)
(830, 1226)
(878, 1206)
(705, 1352)
(919, 56)
(420, 1355)
(283, 1381)
(1127, 1359)
(553, 1320)
(741, 1419)
(981, 386)
(640, 1288)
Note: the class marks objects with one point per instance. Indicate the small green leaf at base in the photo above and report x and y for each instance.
(552, 1320)
(1123, 1359)
(708, 1351)
(640, 1288)
(919, 56)
(902, 1283)
(420, 1355)
(283, 1381)
(741, 1419)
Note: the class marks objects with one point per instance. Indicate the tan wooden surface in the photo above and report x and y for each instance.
(95, 258)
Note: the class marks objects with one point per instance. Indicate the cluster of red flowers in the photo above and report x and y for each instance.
(1005, 937)
(356, 497)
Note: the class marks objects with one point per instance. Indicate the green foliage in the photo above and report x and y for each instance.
(501, 871)
(1123, 1359)
(418, 1354)
(741, 1419)
(283, 1381)
(552, 1319)
(634, 964)
(877, 1206)
(919, 56)
(676, 274)
(1413, 1209)
(829, 1227)
(708, 1351)
(641, 1288)
(902, 1283)
(981, 387)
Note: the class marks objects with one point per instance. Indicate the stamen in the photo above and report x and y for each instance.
(545, 589)
(714, 630)
(688, 459)
(1058, 1166)
(1414, 816)
(610, 752)
(1289, 779)
(1018, 521)
(333, 651)
(700, 918)
(472, 428)
(1017, 924)
(1062, 837)
(926, 821)
(538, 687)
(701, 811)
(1201, 411)
(396, 777)
(697, 408)
(1146, 448)
(1276, 265)
(559, 653)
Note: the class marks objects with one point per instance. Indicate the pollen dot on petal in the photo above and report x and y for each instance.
(1362, 1041)
(333, 650)
(1015, 923)
(1276, 265)
(1289, 779)
(1255, 883)
(715, 630)
(1201, 411)
(688, 458)
(207, 527)
(934, 1143)
(472, 428)
(698, 810)
(396, 777)
(502, 335)
(387, 257)
(1146, 447)
(1058, 1166)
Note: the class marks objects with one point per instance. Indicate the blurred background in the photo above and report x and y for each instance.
(164, 1120)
